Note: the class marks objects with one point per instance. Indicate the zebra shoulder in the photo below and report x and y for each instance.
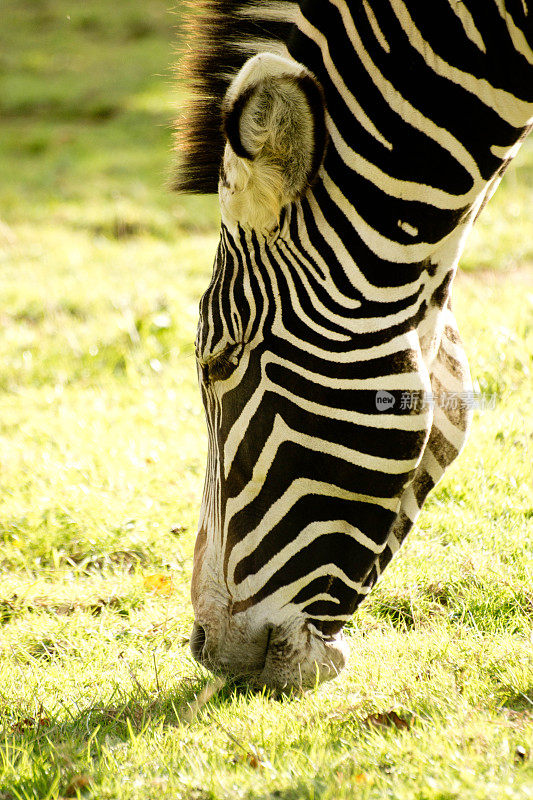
(274, 125)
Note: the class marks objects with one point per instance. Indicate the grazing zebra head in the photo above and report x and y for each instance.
(353, 144)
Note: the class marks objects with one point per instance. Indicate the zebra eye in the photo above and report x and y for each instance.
(220, 366)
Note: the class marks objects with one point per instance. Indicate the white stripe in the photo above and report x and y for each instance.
(378, 33)
(430, 464)
(517, 36)
(384, 248)
(400, 189)
(285, 594)
(353, 105)
(379, 294)
(305, 538)
(403, 381)
(303, 487)
(410, 422)
(321, 310)
(454, 350)
(468, 24)
(451, 432)
(511, 109)
(348, 303)
(353, 324)
(409, 506)
(371, 292)
(282, 433)
(393, 544)
(449, 381)
(505, 152)
(402, 107)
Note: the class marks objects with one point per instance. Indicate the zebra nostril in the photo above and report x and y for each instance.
(197, 641)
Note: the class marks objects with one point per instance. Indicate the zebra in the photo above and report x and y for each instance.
(352, 143)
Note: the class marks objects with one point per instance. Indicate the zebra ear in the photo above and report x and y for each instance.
(274, 123)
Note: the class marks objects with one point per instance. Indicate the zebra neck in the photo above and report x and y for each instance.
(422, 122)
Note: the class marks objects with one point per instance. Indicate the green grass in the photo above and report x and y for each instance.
(102, 449)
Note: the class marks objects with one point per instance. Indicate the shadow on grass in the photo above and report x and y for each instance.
(42, 755)
(518, 701)
(127, 715)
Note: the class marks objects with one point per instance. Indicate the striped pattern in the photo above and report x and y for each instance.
(311, 487)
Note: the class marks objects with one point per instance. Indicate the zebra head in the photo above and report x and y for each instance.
(298, 497)
(326, 336)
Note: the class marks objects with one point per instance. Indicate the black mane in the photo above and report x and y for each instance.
(220, 36)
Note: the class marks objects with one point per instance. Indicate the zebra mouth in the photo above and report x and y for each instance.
(267, 647)
(285, 659)
(299, 662)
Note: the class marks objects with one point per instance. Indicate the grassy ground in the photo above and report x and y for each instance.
(102, 450)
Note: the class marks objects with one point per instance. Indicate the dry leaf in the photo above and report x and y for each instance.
(389, 719)
(159, 584)
(254, 761)
(29, 722)
(77, 784)
(177, 529)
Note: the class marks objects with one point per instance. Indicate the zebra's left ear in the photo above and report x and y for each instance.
(274, 123)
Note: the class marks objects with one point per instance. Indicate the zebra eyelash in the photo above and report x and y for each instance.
(221, 365)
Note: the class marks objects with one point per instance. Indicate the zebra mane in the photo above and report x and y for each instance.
(220, 36)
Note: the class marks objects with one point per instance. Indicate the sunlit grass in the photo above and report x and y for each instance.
(102, 450)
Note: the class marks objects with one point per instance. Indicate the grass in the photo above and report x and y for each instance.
(102, 450)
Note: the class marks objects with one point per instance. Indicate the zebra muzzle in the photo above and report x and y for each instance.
(277, 656)
(232, 653)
